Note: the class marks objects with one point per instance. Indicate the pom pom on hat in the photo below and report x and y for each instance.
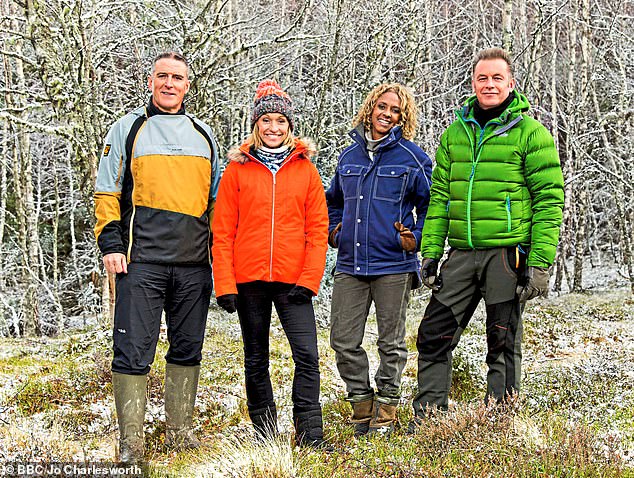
(269, 87)
(270, 98)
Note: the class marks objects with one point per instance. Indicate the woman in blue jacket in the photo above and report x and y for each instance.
(379, 181)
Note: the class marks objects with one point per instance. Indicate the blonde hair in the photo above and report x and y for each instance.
(255, 140)
(409, 110)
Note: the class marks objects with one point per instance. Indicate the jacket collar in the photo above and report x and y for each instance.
(151, 110)
(358, 136)
(304, 149)
(518, 106)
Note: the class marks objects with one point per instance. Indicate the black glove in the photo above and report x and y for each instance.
(429, 273)
(534, 283)
(300, 295)
(229, 302)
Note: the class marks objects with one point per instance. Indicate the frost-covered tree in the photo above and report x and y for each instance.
(70, 68)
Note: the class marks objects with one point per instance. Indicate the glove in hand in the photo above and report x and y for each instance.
(408, 239)
(535, 284)
(229, 302)
(300, 295)
(331, 236)
(429, 273)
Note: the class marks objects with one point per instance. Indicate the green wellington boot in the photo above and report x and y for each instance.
(129, 399)
(181, 384)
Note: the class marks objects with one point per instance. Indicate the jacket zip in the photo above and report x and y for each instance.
(129, 254)
(477, 150)
(373, 161)
(131, 225)
(288, 160)
(272, 223)
(508, 213)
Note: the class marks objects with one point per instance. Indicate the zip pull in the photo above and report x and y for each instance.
(517, 257)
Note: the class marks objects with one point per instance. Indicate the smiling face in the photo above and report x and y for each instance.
(168, 84)
(386, 114)
(492, 82)
(273, 129)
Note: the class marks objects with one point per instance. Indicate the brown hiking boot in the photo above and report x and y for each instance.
(362, 409)
(384, 416)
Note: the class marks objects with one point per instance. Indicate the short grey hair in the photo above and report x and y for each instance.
(172, 55)
(493, 54)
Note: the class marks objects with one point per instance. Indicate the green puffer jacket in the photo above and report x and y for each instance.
(495, 187)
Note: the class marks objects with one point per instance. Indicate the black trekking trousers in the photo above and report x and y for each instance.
(255, 302)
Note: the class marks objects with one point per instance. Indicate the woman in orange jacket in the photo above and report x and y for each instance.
(270, 236)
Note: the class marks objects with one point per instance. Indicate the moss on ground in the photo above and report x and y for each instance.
(575, 417)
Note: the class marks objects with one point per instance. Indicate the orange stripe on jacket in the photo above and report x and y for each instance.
(107, 209)
(172, 183)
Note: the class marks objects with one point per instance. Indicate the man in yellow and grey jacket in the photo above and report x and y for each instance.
(154, 199)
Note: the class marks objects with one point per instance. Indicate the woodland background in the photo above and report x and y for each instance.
(71, 68)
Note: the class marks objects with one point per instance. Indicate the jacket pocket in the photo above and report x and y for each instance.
(515, 260)
(350, 177)
(390, 183)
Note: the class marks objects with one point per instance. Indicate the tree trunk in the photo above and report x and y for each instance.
(26, 217)
(582, 199)
(507, 26)
(563, 246)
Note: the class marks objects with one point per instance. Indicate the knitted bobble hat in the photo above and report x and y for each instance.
(270, 98)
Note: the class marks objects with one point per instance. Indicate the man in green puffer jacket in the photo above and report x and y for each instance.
(497, 196)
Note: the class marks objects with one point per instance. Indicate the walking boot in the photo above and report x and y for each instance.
(129, 398)
(384, 415)
(414, 425)
(265, 421)
(362, 408)
(309, 430)
(181, 384)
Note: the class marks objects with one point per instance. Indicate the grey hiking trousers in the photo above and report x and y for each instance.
(352, 297)
(467, 277)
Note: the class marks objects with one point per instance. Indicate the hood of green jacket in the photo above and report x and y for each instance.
(518, 106)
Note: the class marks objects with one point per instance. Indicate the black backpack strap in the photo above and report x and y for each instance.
(202, 131)
(129, 141)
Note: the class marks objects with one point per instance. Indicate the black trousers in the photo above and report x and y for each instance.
(468, 276)
(183, 291)
(255, 301)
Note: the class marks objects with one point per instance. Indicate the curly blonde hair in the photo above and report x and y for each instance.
(409, 110)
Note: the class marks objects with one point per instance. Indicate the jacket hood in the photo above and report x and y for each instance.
(305, 148)
(519, 105)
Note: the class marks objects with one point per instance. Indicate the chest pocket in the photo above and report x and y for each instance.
(390, 183)
(351, 175)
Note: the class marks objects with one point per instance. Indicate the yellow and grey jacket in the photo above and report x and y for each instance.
(156, 188)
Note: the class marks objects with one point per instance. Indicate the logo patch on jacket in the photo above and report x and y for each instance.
(106, 149)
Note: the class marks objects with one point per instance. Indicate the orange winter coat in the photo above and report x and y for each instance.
(269, 227)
